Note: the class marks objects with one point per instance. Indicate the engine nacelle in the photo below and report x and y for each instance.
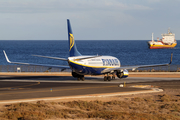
(122, 74)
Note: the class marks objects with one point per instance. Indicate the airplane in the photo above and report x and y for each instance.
(90, 64)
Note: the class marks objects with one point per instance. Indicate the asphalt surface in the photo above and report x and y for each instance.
(14, 88)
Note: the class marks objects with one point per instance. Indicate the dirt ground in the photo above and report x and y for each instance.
(155, 106)
(151, 106)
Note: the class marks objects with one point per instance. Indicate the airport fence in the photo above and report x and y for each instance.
(23, 68)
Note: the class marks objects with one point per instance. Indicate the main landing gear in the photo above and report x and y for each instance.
(108, 78)
(79, 77)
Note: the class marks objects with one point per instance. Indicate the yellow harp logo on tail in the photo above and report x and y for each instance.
(71, 41)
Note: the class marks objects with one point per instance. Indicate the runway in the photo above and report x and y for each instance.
(29, 88)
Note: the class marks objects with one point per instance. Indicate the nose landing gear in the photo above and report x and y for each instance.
(108, 77)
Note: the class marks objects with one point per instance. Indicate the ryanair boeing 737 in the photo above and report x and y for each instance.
(89, 65)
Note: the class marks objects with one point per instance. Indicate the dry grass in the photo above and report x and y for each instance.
(162, 106)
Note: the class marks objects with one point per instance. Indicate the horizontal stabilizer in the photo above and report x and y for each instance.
(87, 57)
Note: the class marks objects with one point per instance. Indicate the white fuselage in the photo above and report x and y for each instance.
(92, 65)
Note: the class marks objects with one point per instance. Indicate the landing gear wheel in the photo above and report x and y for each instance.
(105, 78)
(113, 77)
(82, 78)
(109, 78)
(78, 78)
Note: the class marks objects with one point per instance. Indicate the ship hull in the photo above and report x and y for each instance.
(154, 46)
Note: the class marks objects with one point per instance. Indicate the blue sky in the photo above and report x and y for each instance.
(90, 19)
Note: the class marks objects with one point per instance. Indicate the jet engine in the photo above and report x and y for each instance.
(122, 74)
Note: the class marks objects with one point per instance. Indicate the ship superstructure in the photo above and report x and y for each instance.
(167, 41)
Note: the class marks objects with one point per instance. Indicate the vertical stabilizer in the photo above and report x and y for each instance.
(72, 46)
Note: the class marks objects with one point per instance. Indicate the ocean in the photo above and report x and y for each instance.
(129, 52)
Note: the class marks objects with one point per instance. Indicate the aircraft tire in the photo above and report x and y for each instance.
(109, 78)
(82, 78)
(78, 78)
(105, 78)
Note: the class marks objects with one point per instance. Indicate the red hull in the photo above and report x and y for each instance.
(160, 47)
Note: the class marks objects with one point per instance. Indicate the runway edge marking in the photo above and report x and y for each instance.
(82, 96)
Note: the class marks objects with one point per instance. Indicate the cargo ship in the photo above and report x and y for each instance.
(167, 41)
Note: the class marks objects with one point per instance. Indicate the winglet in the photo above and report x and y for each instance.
(171, 58)
(6, 57)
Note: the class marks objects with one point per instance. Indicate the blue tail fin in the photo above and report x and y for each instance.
(72, 46)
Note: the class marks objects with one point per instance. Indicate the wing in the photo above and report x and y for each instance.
(135, 67)
(57, 58)
(46, 65)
